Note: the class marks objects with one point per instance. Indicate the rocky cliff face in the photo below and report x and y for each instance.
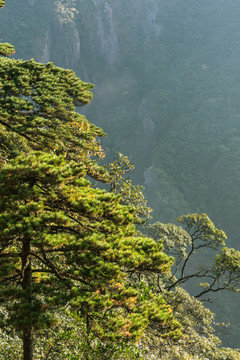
(107, 29)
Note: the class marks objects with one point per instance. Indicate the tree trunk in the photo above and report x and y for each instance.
(27, 343)
(27, 298)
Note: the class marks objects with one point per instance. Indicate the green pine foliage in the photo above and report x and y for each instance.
(67, 246)
(130, 194)
(199, 340)
(79, 240)
(6, 49)
(38, 110)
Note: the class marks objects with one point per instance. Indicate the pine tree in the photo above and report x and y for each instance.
(65, 243)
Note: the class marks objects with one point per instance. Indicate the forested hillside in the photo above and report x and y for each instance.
(166, 78)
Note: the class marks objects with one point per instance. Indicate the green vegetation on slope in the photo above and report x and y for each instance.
(73, 265)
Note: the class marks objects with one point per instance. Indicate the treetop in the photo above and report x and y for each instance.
(6, 49)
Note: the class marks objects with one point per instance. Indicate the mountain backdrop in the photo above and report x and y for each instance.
(167, 93)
